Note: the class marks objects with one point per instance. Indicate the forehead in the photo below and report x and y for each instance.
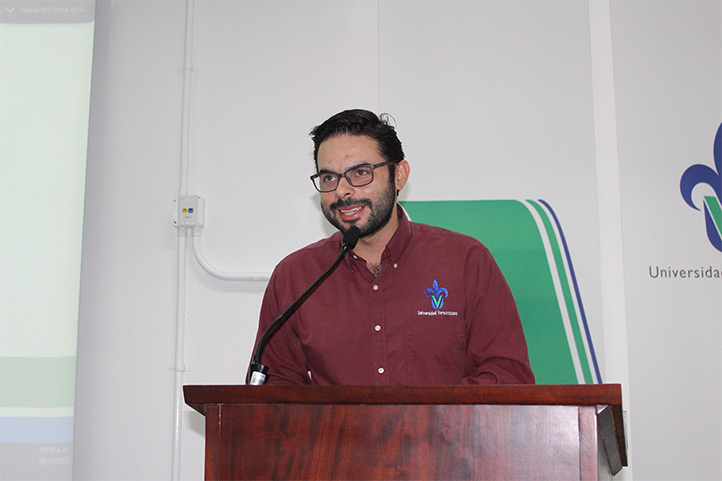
(343, 151)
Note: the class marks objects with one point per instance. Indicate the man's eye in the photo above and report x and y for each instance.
(361, 172)
(328, 178)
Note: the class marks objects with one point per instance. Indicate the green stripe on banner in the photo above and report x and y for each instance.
(509, 231)
(35, 382)
(715, 210)
(568, 298)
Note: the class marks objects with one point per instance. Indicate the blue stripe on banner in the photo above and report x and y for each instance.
(576, 290)
(36, 430)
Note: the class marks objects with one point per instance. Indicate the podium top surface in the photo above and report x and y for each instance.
(606, 398)
(199, 396)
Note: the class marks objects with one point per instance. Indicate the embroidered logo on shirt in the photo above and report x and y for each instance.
(437, 295)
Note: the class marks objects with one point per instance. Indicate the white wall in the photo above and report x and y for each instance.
(491, 99)
(668, 78)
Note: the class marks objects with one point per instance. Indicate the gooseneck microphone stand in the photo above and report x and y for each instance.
(258, 371)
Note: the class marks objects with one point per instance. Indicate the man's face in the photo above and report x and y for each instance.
(368, 207)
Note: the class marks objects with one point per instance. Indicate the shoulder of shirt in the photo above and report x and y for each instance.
(324, 249)
(448, 237)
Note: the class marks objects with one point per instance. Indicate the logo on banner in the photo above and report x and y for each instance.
(702, 174)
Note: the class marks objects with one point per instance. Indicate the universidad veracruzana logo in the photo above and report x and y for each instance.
(437, 295)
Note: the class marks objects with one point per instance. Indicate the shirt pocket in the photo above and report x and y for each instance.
(436, 346)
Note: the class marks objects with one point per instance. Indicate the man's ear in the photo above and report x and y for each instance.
(402, 174)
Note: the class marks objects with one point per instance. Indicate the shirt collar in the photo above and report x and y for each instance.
(401, 238)
(399, 241)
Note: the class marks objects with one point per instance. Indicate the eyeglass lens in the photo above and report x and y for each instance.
(357, 177)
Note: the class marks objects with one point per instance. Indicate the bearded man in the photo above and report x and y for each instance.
(410, 304)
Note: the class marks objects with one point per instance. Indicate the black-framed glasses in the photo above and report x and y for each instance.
(357, 176)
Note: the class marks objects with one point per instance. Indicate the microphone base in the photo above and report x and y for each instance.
(258, 374)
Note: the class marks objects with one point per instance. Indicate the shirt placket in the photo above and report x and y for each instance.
(376, 325)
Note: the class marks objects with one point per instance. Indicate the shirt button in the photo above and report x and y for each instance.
(376, 288)
(377, 328)
(396, 266)
(381, 370)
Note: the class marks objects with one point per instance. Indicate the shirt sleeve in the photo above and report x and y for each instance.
(497, 350)
(282, 353)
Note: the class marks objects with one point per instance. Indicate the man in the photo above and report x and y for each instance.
(411, 304)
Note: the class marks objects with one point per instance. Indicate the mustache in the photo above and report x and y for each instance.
(348, 202)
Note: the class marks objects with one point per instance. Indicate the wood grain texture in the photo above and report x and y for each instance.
(458, 432)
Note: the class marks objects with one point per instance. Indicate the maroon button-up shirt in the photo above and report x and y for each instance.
(441, 312)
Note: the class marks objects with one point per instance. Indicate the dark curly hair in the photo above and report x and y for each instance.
(360, 122)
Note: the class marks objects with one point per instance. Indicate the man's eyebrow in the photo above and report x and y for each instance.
(326, 171)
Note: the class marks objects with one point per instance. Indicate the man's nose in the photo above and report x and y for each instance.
(344, 188)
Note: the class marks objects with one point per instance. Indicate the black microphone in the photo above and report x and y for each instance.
(257, 372)
(350, 239)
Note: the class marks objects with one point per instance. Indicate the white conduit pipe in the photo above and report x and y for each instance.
(179, 367)
(226, 276)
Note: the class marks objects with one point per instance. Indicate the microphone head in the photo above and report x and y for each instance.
(351, 237)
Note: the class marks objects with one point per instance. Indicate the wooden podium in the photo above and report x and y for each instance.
(420, 433)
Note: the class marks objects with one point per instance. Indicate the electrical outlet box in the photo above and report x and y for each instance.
(188, 211)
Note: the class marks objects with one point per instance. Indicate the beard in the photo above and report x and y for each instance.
(380, 212)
